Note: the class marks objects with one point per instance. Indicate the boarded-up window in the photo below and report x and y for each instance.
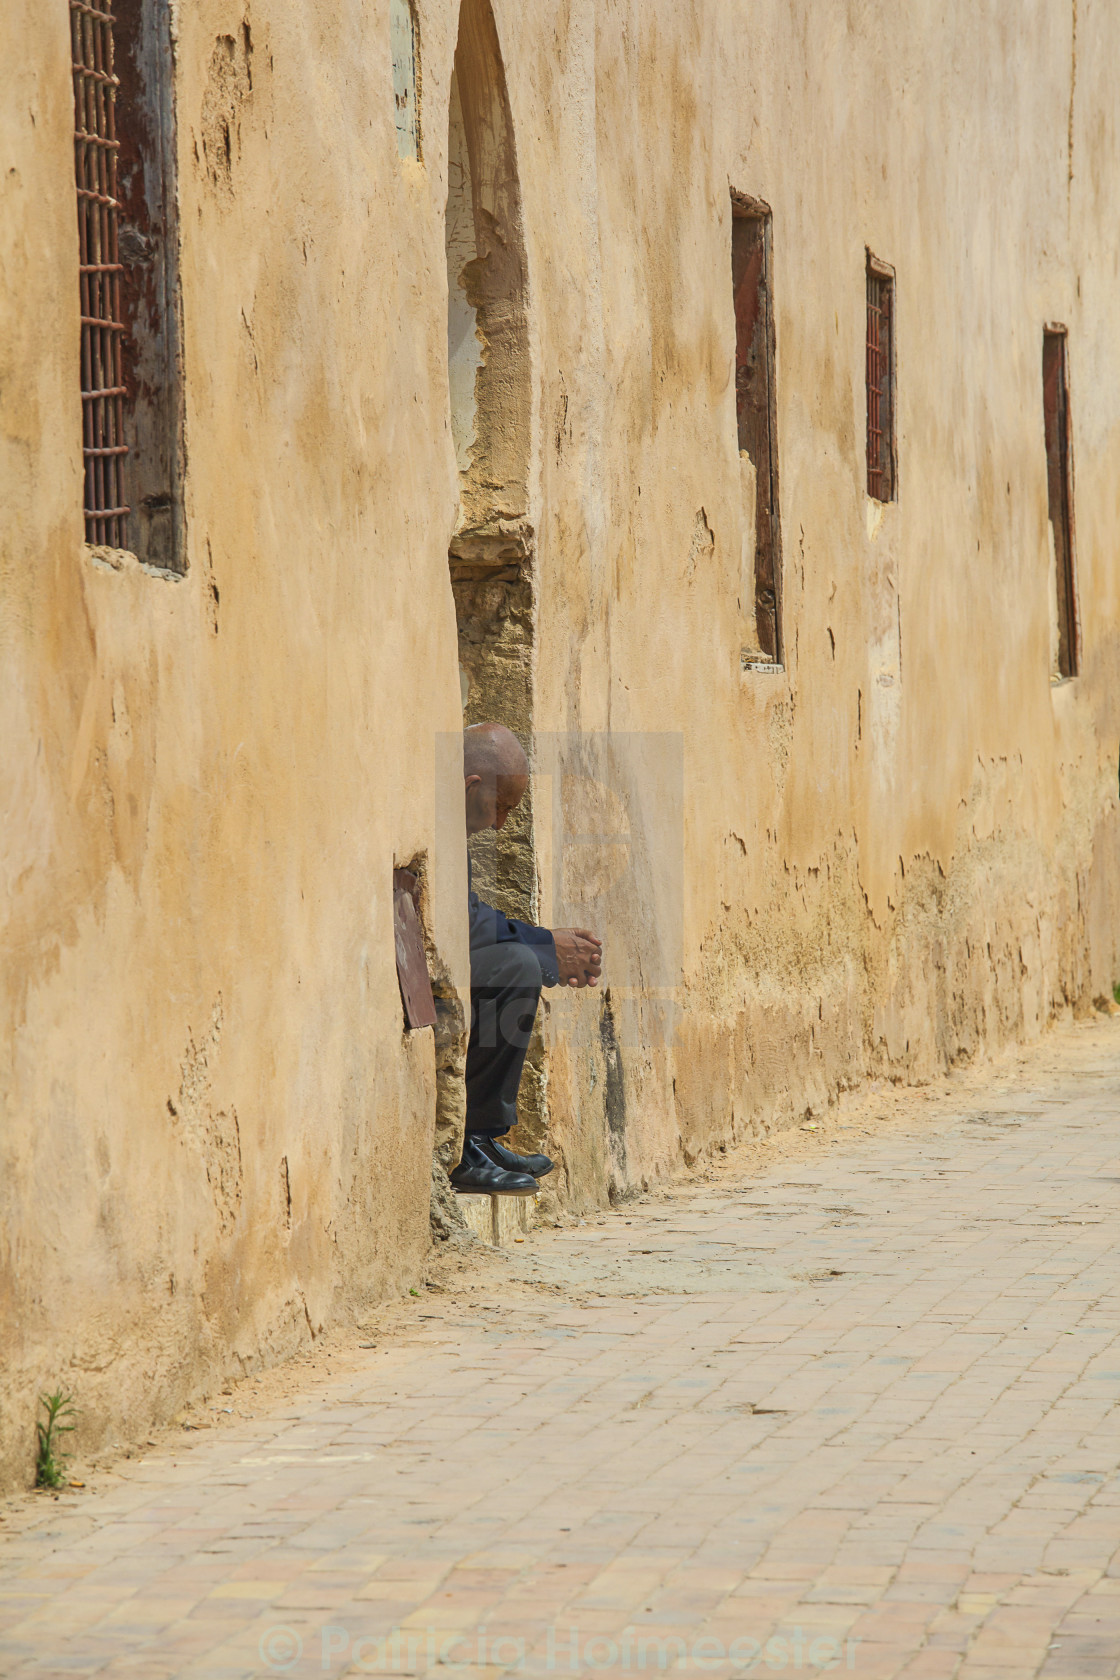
(405, 49)
(1059, 484)
(128, 249)
(881, 475)
(755, 405)
(412, 963)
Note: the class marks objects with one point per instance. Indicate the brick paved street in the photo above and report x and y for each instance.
(854, 1409)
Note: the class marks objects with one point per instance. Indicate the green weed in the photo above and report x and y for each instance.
(50, 1461)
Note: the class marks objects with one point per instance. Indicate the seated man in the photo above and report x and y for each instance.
(510, 961)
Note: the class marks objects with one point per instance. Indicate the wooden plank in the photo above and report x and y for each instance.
(412, 964)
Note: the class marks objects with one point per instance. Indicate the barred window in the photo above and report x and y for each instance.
(127, 244)
(95, 156)
(881, 476)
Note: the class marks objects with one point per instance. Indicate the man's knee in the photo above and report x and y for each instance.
(505, 989)
(509, 964)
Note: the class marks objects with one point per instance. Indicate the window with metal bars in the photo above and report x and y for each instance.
(124, 166)
(755, 405)
(1059, 486)
(95, 151)
(881, 458)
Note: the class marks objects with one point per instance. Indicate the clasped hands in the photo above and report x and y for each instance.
(579, 956)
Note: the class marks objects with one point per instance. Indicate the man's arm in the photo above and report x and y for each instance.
(568, 956)
(490, 927)
(544, 948)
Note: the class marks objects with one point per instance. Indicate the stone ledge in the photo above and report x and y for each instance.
(498, 1220)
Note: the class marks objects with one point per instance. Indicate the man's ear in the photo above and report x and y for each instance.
(471, 781)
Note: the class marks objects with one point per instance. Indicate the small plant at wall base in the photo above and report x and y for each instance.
(50, 1461)
(1116, 992)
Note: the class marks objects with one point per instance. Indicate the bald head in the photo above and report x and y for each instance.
(495, 772)
(490, 749)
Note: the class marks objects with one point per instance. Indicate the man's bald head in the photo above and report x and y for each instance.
(496, 774)
(490, 749)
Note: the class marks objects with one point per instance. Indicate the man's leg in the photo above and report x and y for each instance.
(505, 991)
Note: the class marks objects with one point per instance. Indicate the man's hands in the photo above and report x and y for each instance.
(579, 956)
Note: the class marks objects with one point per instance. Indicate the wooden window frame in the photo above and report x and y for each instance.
(1058, 433)
(881, 380)
(757, 421)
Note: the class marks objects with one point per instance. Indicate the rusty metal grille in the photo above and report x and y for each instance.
(95, 162)
(880, 382)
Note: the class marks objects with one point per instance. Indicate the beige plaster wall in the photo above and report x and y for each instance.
(216, 1134)
(898, 851)
(902, 850)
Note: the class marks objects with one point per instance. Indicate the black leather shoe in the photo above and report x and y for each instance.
(477, 1174)
(536, 1165)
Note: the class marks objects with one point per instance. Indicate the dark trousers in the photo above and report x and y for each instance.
(505, 991)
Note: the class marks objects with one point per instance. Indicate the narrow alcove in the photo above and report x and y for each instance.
(491, 552)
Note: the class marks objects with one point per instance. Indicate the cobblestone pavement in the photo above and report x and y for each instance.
(857, 1414)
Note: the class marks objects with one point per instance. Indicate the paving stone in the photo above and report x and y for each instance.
(914, 1459)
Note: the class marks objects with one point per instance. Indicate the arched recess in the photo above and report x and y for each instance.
(487, 273)
(492, 548)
